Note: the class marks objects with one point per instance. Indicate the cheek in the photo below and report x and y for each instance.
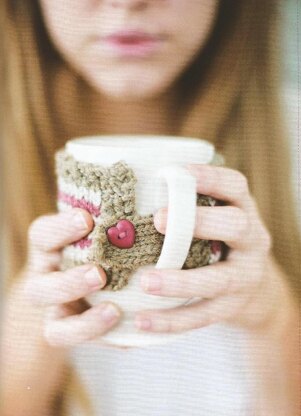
(195, 23)
(64, 21)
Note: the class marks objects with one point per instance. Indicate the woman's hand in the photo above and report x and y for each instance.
(240, 290)
(69, 319)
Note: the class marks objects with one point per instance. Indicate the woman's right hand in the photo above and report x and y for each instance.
(69, 319)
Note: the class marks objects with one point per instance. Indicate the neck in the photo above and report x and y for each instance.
(152, 116)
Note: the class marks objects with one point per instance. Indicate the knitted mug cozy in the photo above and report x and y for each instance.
(108, 194)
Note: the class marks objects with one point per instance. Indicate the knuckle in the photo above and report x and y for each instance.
(39, 229)
(242, 184)
(241, 223)
(242, 226)
(43, 261)
(35, 229)
(30, 292)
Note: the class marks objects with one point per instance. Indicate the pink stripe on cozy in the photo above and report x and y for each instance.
(79, 203)
(83, 243)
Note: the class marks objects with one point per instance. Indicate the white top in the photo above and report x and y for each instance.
(206, 372)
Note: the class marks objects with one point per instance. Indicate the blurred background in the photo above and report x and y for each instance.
(291, 85)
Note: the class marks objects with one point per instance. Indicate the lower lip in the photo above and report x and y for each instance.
(138, 49)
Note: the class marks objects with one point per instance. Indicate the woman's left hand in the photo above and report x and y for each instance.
(240, 290)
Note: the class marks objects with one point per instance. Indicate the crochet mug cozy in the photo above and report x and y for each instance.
(121, 181)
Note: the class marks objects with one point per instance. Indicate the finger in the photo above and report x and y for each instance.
(78, 307)
(53, 232)
(193, 316)
(223, 223)
(43, 262)
(222, 183)
(227, 277)
(62, 287)
(75, 329)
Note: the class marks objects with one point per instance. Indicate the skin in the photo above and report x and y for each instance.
(184, 25)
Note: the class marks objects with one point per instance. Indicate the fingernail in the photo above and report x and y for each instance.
(109, 313)
(143, 323)
(80, 221)
(151, 282)
(94, 279)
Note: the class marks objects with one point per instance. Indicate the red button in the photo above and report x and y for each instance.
(122, 235)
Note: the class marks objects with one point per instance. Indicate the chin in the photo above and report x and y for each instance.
(129, 89)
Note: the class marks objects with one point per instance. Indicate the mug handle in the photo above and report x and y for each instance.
(182, 199)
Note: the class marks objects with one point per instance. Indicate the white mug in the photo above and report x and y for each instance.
(158, 163)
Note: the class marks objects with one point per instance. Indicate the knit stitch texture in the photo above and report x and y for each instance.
(115, 187)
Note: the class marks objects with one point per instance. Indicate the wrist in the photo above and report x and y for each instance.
(274, 309)
(272, 346)
(285, 316)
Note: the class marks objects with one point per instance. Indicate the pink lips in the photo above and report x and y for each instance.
(132, 43)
